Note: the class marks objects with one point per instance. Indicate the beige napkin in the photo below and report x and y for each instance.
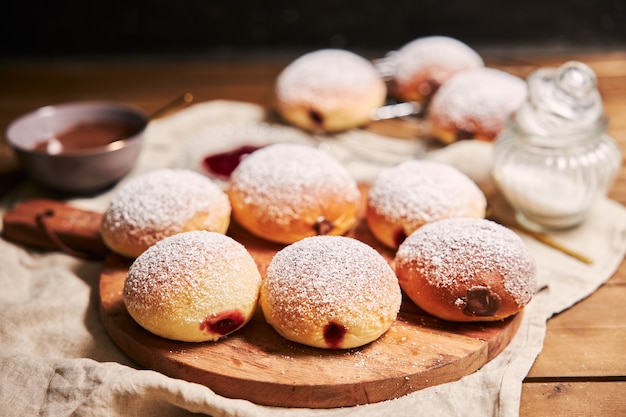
(56, 359)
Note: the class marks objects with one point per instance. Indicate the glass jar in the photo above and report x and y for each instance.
(554, 159)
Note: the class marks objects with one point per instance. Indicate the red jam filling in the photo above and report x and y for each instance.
(223, 164)
(399, 237)
(316, 117)
(334, 334)
(223, 323)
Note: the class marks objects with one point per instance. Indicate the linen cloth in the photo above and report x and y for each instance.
(57, 360)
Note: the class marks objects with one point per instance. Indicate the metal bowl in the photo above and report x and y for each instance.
(88, 164)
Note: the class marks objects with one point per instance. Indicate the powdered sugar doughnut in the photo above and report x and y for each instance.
(329, 90)
(421, 66)
(330, 292)
(475, 104)
(405, 197)
(286, 192)
(466, 269)
(161, 203)
(194, 287)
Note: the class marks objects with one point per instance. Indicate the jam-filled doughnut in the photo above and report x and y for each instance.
(475, 104)
(161, 203)
(416, 192)
(194, 286)
(329, 90)
(285, 192)
(466, 269)
(330, 292)
(421, 66)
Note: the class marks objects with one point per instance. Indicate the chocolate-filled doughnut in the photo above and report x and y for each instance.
(466, 269)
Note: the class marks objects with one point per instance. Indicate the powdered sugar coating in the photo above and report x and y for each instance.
(434, 58)
(457, 251)
(329, 90)
(325, 279)
(161, 203)
(327, 78)
(282, 182)
(416, 192)
(477, 101)
(183, 279)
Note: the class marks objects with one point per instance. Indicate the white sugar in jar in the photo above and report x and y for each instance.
(554, 158)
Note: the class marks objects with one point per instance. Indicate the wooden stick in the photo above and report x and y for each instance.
(547, 240)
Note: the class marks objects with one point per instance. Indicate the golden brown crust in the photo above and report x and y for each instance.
(484, 300)
(317, 118)
(131, 240)
(421, 66)
(334, 217)
(474, 104)
(388, 231)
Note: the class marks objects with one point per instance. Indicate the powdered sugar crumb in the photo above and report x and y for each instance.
(459, 249)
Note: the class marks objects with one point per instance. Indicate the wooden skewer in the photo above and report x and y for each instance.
(547, 240)
(177, 102)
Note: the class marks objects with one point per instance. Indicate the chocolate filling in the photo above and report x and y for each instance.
(480, 301)
(323, 226)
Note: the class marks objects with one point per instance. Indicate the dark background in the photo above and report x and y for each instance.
(210, 27)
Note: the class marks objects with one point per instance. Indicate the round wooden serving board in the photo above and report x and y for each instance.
(257, 364)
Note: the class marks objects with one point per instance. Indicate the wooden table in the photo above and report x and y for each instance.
(582, 368)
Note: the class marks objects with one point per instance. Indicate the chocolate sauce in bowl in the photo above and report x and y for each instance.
(88, 135)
